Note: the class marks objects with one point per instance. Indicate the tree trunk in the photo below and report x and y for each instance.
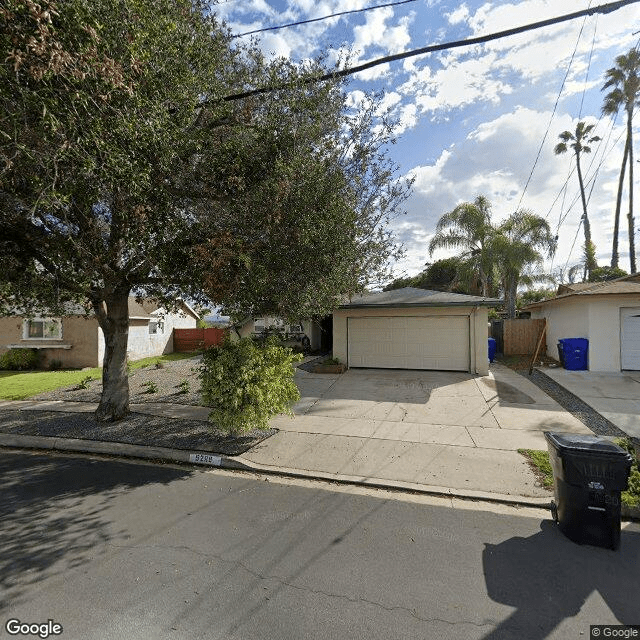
(114, 322)
(588, 265)
(511, 293)
(616, 220)
(630, 222)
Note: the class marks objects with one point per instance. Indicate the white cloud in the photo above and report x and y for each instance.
(461, 14)
(495, 160)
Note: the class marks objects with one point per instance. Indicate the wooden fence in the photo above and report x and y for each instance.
(521, 336)
(185, 340)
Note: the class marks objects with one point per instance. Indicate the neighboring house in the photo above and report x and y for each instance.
(606, 313)
(413, 328)
(76, 340)
(307, 333)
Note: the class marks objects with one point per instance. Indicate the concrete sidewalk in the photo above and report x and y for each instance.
(615, 396)
(438, 432)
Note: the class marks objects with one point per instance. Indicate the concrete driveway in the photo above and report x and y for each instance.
(442, 429)
(616, 396)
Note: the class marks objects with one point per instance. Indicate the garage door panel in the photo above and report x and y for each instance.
(440, 343)
(630, 339)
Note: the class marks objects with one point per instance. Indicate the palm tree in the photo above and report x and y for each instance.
(579, 142)
(519, 245)
(468, 227)
(624, 83)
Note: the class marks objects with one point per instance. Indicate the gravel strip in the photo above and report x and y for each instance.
(167, 379)
(136, 428)
(574, 405)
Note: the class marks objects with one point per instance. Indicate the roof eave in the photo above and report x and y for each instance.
(409, 305)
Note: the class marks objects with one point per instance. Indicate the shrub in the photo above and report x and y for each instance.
(151, 386)
(184, 386)
(631, 497)
(20, 359)
(85, 382)
(55, 365)
(247, 382)
(331, 361)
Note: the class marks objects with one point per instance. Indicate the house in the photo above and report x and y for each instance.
(413, 328)
(606, 313)
(76, 340)
(306, 333)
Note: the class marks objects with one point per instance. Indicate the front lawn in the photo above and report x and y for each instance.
(19, 385)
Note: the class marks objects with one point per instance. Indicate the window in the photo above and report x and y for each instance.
(295, 328)
(42, 329)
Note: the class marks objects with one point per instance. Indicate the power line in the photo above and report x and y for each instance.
(333, 15)
(603, 8)
(553, 113)
(586, 78)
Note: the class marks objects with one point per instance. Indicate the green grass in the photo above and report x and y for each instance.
(539, 460)
(18, 385)
(153, 360)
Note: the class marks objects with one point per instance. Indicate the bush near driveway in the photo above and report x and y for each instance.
(246, 383)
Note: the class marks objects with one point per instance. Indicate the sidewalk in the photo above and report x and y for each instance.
(434, 432)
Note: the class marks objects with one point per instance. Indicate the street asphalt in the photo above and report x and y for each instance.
(112, 550)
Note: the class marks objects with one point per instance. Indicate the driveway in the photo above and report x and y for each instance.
(441, 429)
(615, 396)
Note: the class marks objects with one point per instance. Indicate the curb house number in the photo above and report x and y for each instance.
(203, 458)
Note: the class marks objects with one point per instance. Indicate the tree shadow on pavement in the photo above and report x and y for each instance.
(548, 578)
(52, 513)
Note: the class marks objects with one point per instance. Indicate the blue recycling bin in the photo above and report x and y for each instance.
(492, 349)
(575, 353)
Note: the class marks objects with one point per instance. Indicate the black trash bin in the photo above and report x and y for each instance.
(588, 475)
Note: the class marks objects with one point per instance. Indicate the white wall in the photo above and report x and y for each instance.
(594, 317)
(478, 331)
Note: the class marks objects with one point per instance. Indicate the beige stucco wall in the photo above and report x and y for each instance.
(478, 331)
(596, 318)
(77, 348)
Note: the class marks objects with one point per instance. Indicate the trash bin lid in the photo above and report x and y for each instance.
(574, 442)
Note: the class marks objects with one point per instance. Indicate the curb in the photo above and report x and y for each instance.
(207, 459)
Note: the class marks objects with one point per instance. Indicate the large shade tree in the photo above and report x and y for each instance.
(123, 169)
(623, 82)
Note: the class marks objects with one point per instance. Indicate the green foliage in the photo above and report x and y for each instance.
(150, 386)
(85, 382)
(246, 383)
(631, 497)
(540, 461)
(331, 361)
(534, 295)
(448, 274)
(600, 274)
(20, 359)
(184, 386)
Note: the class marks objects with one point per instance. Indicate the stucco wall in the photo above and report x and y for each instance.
(478, 329)
(596, 318)
(79, 334)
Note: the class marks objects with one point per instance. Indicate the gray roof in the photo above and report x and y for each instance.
(621, 286)
(412, 297)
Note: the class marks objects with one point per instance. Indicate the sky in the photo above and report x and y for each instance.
(473, 120)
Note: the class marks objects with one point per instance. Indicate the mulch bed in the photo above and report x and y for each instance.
(136, 428)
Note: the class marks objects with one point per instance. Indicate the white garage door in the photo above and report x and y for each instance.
(630, 339)
(435, 342)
